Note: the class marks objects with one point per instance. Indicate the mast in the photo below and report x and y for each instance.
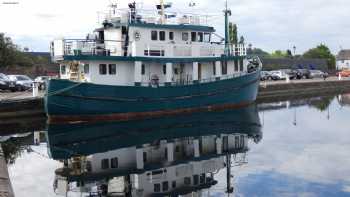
(162, 14)
(227, 34)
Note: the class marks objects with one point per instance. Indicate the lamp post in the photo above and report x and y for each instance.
(294, 49)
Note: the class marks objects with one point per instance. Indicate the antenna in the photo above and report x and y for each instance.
(113, 6)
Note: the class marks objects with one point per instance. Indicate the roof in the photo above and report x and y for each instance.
(343, 55)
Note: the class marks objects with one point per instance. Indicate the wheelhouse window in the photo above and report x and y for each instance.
(187, 180)
(171, 35)
(104, 164)
(86, 68)
(165, 186)
(194, 36)
(195, 179)
(103, 69)
(154, 35)
(173, 184)
(200, 37)
(206, 37)
(156, 187)
(114, 162)
(185, 36)
(112, 68)
(162, 35)
(214, 68)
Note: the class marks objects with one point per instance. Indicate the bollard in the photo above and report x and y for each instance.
(339, 76)
(35, 89)
(287, 79)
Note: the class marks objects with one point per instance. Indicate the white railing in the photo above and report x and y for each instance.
(152, 16)
(77, 47)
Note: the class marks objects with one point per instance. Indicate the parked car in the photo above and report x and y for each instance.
(344, 73)
(22, 82)
(278, 75)
(291, 73)
(6, 83)
(303, 74)
(318, 74)
(41, 80)
(265, 75)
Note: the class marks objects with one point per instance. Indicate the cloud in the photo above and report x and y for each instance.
(269, 24)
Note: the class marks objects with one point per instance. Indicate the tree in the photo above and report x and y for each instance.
(233, 33)
(322, 52)
(7, 51)
(257, 52)
(279, 54)
(241, 40)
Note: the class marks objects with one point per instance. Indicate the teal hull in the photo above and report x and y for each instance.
(73, 101)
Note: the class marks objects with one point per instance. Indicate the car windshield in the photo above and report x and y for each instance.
(22, 78)
(3, 77)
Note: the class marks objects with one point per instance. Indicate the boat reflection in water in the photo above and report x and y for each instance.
(168, 156)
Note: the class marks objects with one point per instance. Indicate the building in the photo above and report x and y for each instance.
(343, 60)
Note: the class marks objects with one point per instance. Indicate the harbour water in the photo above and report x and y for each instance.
(292, 148)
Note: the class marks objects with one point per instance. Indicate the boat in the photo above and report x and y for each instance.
(168, 156)
(144, 63)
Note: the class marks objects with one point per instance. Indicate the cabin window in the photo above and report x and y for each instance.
(114, 162)
(154, 35)
(63, 69)
(162, 35)
(195, 179)
(143, 69)
(224, 67)
(173, 184)
(176, 71)
(241, 65)
(164, 69)
(187, 180)
(171, 35)
(165, 185)
(86, 68)
(185, 36)
(156, 187)
(194, 36)
(236, 65)
(104, 164)
(206, 37)
(103, 69)
(112, 68)
(200, 37)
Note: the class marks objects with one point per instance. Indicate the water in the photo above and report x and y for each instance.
(296, 148)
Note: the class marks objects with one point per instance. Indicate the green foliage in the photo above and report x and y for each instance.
(11, 55)
(323, 52)
(257, 52)
(233, 33)
(278, 54)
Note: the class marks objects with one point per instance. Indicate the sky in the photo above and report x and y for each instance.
(269, 24)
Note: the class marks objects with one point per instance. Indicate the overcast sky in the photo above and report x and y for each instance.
(268, 24)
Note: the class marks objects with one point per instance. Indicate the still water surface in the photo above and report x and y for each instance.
(296, 148)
